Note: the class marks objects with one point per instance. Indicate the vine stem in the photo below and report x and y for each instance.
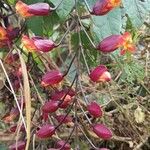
(87, 5)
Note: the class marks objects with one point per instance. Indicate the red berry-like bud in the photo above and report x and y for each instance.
(64, 119)
(44, 45)
(50, 106)
(100, 74)
(51, 78)
(109, 44)
(46, 131)
(20, 145)
(13, 128)
(63, 145)
(102, 7)
(61, 96)
(102, 131)
(37, 9)
(95, 109)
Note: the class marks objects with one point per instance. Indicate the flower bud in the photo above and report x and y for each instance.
(109, 44)
(20, 145)
(37, 9)
(63, 145)
(100, 74)
(50, 106)
(45, 131)
(104, 149)
(61, 96)
(51, 78)
(102, 131)
(64, 119)
(95, 110)
(44, 45)
(14, 127)
(102, 7)
(11, 58)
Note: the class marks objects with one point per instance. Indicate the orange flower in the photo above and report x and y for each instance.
(126, 43)
(28, 43)
(102, 7)
(22, 9)
(3, 34)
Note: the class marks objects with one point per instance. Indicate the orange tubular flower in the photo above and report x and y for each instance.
(28, 43)
(3, 34)
(102, 7)
(37, 9)
(126, 43)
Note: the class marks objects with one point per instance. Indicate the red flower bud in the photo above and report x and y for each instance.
(14, 127)
(102, 131)
(64, 119)
(37, 9)
(20, 145)
(95, 110)
(61, 95)
(50, 106)
(44, 45)
(109, 44)
(37, 44)
(12, 32)
(3, 34)
(100, 74)
(51, 78)
(102, 7)
(63, 145)
(46, 131)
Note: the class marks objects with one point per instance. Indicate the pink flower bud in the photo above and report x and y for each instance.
(102, 131)
(61, 96)
(50, 106)
(100, 74)
(109, 44)
(45, 131)
(63, 145)
(20, 145)
(95, 110)
(102, 7)
(63, 119)
(37, 9)
(44, 45)
(104, 149)
(51, 78)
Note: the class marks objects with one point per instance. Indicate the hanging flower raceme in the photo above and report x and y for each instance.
(100, 74)
(37, 44)
(37, 9)
(113, 42)
(52, 78)
(102, 7)
(46, 131)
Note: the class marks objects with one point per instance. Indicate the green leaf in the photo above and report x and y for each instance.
(137, 10)
(106, 25)
(64, 9)
(36, 25)
(11, 2)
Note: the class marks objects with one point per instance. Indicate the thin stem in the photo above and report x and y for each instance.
(57, 44)
(87, 5)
